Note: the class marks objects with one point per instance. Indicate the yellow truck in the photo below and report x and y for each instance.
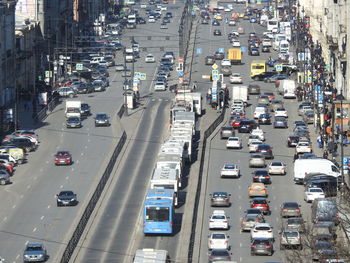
(235, 55)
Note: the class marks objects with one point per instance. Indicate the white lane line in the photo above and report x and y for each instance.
(5, 218)
(41, 169)
(82, 154)
(14, 206)
(21, 196)
(240, 259)
(18, 256)
(42, 217)
(160, 99)
(34, 229)
(29, 186)
(67, 177)
(239, 187)
(89, 140)
(61, 186)
(240, 208)
(239, 197)
(48, 207)
(77, 161)
(88, 129)
(72, 169)
(153, 99)
(47, 162)
(85, 146)
(35, 177)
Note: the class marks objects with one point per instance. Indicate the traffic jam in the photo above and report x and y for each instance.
(304, 232)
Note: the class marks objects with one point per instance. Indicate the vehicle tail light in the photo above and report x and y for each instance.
(171, 224)
(297, 209)
(268, 246)
(211, 221)
(226, 242)
(225, 198)
(255, 231)
(253, 245)
(285, 210)
(225, 221)
(211, 242)
(270, 231)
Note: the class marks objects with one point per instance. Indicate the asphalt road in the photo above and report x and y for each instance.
(282, 187)
(29, 211)
(117, 232)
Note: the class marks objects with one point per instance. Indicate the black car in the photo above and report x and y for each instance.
(102, 119)
(85, 109)
(261, 176)
(217, 32)
(264, 119)
(73, 122)
(219, 255)
(66, 198)
(265, 150)
(264, 75)
(209, 60)
(140, 20)
(216, 23)
(219, 55)
(292, 140)
(20, 142)
(246, 126)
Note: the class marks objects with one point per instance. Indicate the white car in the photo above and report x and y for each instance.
(150, 58)
(227, 9)
(230, 170)
(266, 42)
(236, 43)
(159, 86)
(218, 241)
(258, 132)
(303, 147)
(238, 103)
(281, 112)
(218, 220)
(232, 22)
(236, 78)
(277, 168)
(151, 19)
(225, 62)
(312, 193)
(261, 230)
(252, 138)
(268, 34)
(253, 146)
(234, 142)
(258, 111)
(220, 7)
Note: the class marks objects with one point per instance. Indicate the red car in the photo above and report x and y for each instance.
(262, 204)
(237, 123)
(63, 158)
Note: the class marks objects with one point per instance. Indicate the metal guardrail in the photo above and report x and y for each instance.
(73, 242)
(44, 112)
(206, 135)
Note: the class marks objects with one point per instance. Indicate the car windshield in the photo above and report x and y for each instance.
(290, 234)
(276, 164)
(261, 172)
(34, 248)
(259, 202)
(62, 154)
(315, 190)
(157, 214)
(101, 116)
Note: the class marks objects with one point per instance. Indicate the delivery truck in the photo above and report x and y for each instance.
(234, 55)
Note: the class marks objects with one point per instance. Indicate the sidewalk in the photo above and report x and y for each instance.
(25, 115)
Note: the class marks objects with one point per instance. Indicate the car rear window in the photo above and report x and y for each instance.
(218, 236)
(263, 228)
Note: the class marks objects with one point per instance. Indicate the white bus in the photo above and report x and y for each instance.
(272, 25)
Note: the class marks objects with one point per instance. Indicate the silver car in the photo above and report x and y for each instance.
(220, 199)
(34, 252)
(290, 238)
(257, 160)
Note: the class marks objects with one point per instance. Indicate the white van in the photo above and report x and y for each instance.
(277, 40)
(284, 46)
(287, 88)
(302, 167)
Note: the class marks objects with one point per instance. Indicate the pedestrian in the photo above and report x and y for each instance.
(325, 154)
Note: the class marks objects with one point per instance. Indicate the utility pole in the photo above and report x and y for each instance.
(125, 86)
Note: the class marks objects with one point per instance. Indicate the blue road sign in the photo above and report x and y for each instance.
(214, 72)
(180, 73)
(221, 50)
(243, 49)
(318, 88)
(199, 51)
(345, 161)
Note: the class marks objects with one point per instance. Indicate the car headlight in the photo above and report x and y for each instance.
(73, 199)
(26, 256)
(59, 200)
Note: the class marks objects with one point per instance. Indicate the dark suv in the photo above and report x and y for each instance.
(265, 150)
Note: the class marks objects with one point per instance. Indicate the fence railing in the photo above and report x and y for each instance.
(73, 242)
(44, 112)
(206, 135)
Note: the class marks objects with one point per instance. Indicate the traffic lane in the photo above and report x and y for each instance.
(118, 219)
(32, 217)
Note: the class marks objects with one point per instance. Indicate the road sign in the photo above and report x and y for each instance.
(309, 79)
(205, 76)
(318, 88)
(221, 50)
(278, 67)
(79, 66)
(137, 75)
(142, 76)
(47, 74)
(180, 73)
(199, 51)
(215, 76)
(243, 49)
(214, 66)
(136, 80)
(180, 59)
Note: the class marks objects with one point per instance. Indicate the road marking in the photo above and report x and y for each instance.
(239, 197)
(28, 186)
(67, 177)
(21, 196)
(240, 245)
(82, 154)
(89, 140)
(57, 147)
(41, 169)
(72, 169)
(17, 256)
(153, 99)
(239, 187)
(240, 208)
(240, 259)
(166, 100)
(14, 206)
(62, 133)
(160, 99)
(35, 178)
(61, 186)
(5, 218)
(85, 146)
(34, 229)
(42, 217)
(48, 207)
(77, 161)
(47, 162)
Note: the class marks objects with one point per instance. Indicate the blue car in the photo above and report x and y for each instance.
(280, 122)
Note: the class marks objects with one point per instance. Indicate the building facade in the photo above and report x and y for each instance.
(329, 25)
